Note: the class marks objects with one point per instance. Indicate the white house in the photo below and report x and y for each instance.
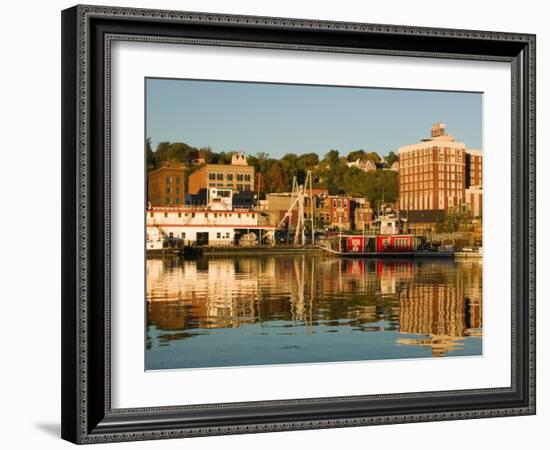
(366, 165)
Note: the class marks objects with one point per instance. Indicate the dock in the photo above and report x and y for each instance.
(212, 251)
(468, 255)
(261, 250)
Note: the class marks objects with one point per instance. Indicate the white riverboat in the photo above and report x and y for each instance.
(217, 223)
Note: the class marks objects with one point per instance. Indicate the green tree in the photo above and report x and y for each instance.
(391, 158)
(180, 152)
(162, 151)
(291, 158)
(276, 180)
(381, 186)
(378, 186)
(224, 157)
(356, 154)
(150, 155)
(374, 157)
(208, 154)
(255, 162)
(332, 158)
(307, 161)
(454, 220)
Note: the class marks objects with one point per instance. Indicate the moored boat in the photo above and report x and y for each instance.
(352, 245)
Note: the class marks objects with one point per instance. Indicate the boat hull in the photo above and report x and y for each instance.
(393, 255)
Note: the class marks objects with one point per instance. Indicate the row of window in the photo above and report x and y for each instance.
(429, 152)
(239, 187)
(429, 169)
(417, 177)
(450, 185)
(428, 176)
(219, 176)
(339, 203)
(339, 218)
(219, 235)
(450, 176)
(206, 215)
(170, 179)
(429, 185)
(425, 204)
(416, 153)
(401, 242)
(428, 159)
(442, 194)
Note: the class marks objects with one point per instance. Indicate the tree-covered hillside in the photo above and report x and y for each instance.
(276, 175)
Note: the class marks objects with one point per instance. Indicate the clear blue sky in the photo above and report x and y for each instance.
(279, 119)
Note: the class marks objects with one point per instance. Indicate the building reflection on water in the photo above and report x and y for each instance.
(434, 304)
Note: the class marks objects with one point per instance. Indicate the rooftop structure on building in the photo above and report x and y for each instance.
(238, 159)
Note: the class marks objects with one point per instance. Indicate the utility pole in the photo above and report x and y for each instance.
(258, 189)
(340, 236)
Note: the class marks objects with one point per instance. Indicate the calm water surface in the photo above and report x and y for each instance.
(301, 309)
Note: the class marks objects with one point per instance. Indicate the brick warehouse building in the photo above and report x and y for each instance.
(436, 173)
(165, 185)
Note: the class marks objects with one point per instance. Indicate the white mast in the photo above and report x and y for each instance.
(298, 201)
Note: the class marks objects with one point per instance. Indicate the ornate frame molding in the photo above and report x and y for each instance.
(86, 422)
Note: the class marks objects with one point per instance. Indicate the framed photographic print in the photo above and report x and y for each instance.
(281, 224)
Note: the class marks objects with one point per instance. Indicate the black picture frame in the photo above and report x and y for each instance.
(87, 415)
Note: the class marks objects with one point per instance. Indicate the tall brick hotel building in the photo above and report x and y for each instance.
(438, 174)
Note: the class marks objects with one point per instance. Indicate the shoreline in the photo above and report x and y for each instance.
(197, 252)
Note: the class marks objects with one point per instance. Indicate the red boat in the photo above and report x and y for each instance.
(358, 245)
(389, 240)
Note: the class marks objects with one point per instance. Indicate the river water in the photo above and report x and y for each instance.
(241, 311)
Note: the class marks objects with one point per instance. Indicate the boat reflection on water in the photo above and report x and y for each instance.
(297, 309)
